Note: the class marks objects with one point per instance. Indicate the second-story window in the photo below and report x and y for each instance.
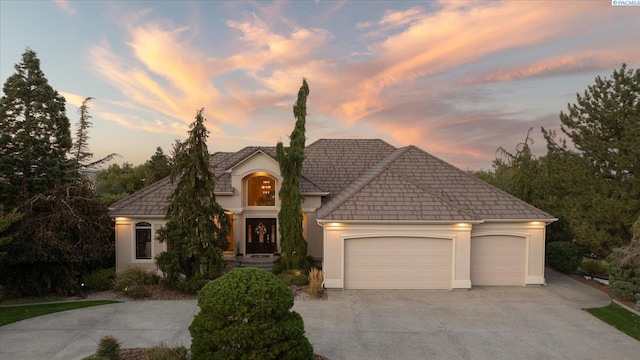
(261, 191)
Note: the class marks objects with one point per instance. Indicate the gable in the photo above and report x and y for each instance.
(256, 162)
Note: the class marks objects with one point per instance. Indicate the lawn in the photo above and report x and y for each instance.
(10, 314)
(620, 318)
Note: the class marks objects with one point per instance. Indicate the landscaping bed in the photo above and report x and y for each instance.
(602, 287)
(139, 354)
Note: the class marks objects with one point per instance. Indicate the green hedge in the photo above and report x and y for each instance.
(564, 256)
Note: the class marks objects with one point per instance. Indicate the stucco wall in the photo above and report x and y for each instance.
(125, 244)
(313, 235)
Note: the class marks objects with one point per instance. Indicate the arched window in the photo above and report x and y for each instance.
(261, 191)
(143, 240)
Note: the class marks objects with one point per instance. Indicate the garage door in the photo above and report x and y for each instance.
(397, 263)
(497, 260)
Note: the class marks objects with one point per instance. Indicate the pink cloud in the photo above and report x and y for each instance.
(65, 6)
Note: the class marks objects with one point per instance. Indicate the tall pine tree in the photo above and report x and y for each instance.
(294, 246)
(600, 180)
(197, 226)
(81, 155)
(34, 134)
(158, 167)
(62, 230)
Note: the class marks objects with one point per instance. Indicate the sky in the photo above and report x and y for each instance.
(458, 79)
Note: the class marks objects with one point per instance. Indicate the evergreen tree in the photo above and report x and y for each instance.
(294, 246)
(34, 134)
(7, 219)
(119, 181)
(80, 148)
(196, 225)
(598, 184)
(158, 167)
(61, 230)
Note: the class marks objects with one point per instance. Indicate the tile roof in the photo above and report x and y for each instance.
(367, 179)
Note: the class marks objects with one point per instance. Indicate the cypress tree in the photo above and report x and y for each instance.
(294, 246)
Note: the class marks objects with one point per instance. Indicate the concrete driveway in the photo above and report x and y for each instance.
(484, 323)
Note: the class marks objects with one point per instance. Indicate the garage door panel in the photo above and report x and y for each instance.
(398, 263)
(497, 260)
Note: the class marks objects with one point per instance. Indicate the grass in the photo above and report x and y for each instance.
(11, 314)
(620, 318)
(31, 300)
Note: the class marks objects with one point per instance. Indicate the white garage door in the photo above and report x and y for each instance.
(497, 260)
(397, 263)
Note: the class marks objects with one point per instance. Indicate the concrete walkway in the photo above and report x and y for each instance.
(483, 323)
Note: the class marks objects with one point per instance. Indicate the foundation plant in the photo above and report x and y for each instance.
(245, 314)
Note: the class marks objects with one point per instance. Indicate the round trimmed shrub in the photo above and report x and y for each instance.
(245, 314)
(564, 256)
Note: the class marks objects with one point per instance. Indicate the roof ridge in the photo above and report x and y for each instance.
(477, 180)
(410, 180)
(311, 182)
(364, 179)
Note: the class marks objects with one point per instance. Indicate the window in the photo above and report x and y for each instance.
(261, 191)
(231, 236)
(143, 240)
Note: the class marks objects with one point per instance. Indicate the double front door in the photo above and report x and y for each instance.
(261, 236)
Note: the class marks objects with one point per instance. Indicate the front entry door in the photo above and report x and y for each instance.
(261, 236)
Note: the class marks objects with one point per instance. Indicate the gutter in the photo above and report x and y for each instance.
(548, 221)
(321, 222)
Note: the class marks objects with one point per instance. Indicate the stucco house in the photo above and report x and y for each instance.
(375, 216)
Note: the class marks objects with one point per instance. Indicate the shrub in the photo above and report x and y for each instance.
(133, 282)
(245, 314)
(191, 286)
(277, 267)
(593, 267)
(315, 282)
(108, 348)
(624, 278)
(294, 277)
(163, 352)
(564, 256)
(99, 280)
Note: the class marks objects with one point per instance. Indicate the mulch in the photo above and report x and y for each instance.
(139, 354)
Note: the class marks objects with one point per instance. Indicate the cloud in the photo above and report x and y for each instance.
(442, 41)
(73, 99)
(421, 76)
(391, 20)
(65, 6)
(564, 64)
